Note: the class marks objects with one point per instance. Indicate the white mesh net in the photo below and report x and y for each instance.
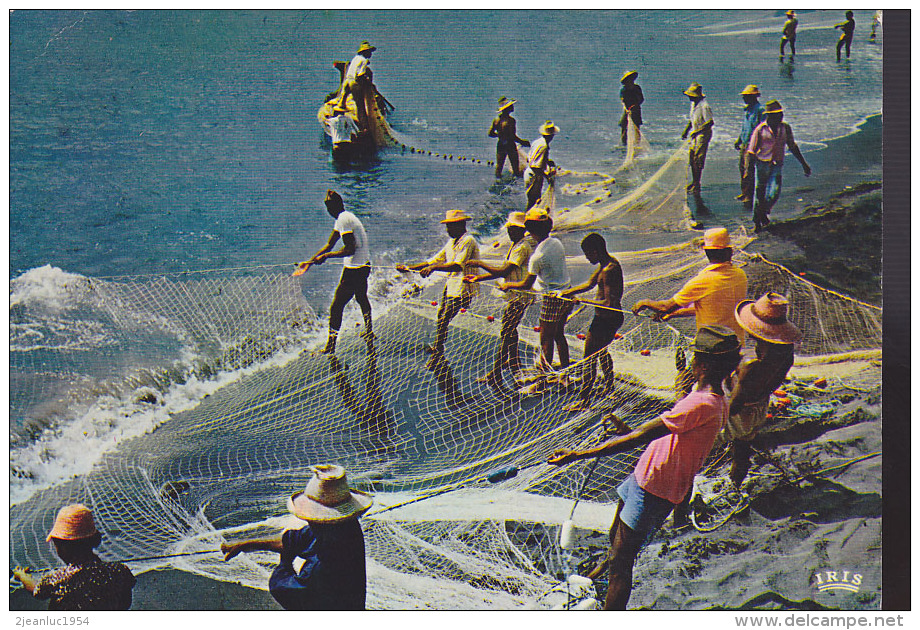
(228, 411)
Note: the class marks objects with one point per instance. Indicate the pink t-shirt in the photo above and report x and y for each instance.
(768, 147)
(668, 465)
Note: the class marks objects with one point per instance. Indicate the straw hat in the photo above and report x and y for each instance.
(767, 319)
(773, 107)
(339, 108)
(631, 73)
(716, 238)
(516, 219)
(365, 46)
(327, 498)
(715, 339)
(790, 12)
(453, 216)
(751, 90)
(73, 522)
(536, 214)
(695, 90)
(549, 129)
(504, 103)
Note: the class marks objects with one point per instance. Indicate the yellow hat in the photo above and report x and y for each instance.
(772, 107)
(716, 238)
(536, 214)
(505, 102)
(455, 215)
(790, 12)
(695, 90)
(516, 219)
(549, 129)
(631, 73)
(366, 46)
(751, 90)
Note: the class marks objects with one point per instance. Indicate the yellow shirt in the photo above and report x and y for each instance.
(715, 292)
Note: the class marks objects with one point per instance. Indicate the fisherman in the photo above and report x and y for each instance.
(712, 295)
(753, 116)
(759, 374)
(539, 166)
(876, 22)
(846, 37)
(86, 583)
(766, 152)
(358, 78)
(631, 95)
(608, 317)
(514, 269)
(792, 23)
(334, 574)
(343, 131)
(678, 443)
(700, 130)
(355, 272)
(505, 129)
(546, 273)
(457, 258)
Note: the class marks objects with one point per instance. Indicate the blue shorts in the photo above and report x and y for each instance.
(642, 511)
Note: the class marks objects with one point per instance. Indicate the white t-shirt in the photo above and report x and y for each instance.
(341, 127)
(548, 264)
(356, 67)
(462, 250)
(347, 223)
(539, 154)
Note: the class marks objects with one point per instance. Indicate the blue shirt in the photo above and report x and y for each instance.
(753, 116)
(333, 576)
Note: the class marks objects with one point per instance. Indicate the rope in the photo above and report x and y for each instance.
(493, 477)
(142, 559)
(817, 286)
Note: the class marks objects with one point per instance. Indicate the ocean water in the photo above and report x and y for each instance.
(149, 142)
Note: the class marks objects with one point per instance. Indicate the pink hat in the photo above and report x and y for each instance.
(73, 522)
(328, 498)
(766, 319)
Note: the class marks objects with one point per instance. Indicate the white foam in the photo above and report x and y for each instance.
(48, 287)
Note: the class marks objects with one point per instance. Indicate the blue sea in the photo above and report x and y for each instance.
(150, 142)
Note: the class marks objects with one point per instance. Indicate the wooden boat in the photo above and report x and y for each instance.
(378, 134)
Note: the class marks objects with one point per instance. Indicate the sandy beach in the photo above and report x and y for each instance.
(816, 495)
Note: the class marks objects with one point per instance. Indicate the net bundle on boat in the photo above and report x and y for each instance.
(199, 403)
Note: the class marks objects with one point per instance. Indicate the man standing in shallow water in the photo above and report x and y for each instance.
(792, 22)
(765, 153)
(846, 37)
(700, 130)
(355, 272)
(505, 129)
(753, 116)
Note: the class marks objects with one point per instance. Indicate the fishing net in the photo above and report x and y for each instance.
(198, 402)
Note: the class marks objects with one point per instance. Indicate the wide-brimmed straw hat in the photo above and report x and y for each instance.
(549, 129)
(767, 319)
(517, 219)
(790, 12)
(716, 238)
(631, 73)
(327, 498)
(751, 90)
(714, 339)
(504, 103)
(772, 107)
(73, 522)
(365, 46)
(695, 90)
(537, 214)
(452, 216)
